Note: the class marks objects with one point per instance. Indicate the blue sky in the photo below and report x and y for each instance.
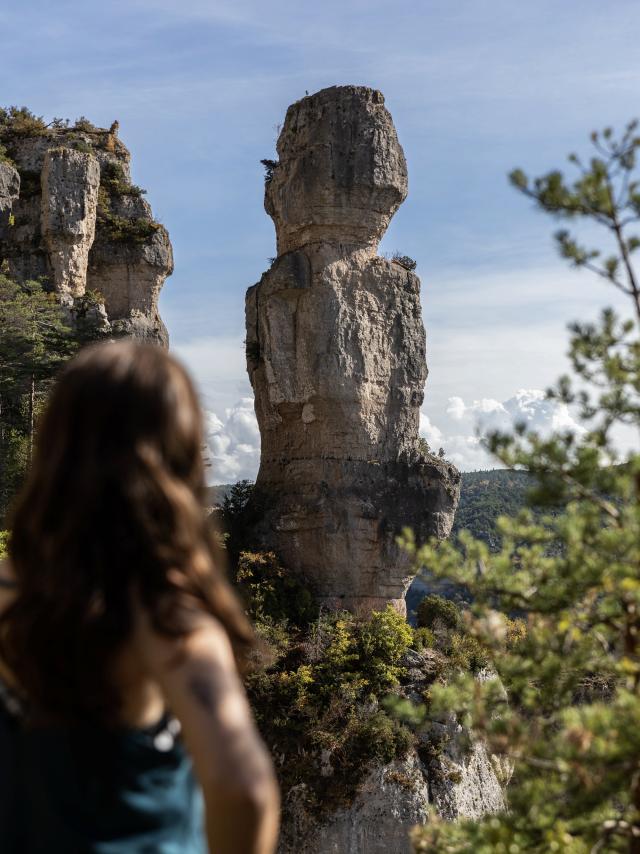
(475, 87)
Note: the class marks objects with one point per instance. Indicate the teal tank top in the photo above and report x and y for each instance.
(89, 790)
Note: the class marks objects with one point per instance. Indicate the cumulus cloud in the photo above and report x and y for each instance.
(233, 443)
(468, 422)
(233, 439)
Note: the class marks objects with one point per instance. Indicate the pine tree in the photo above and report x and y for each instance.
(35, 340)
(565, 707)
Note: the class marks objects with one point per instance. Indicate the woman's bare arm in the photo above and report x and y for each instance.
(199, 679)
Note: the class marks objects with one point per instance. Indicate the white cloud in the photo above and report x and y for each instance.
(469, 422)
(430, 432)
(233, 440)
(233, 443)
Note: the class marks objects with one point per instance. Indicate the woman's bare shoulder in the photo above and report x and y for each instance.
(206, 636)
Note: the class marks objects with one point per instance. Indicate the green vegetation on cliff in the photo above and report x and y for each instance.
(37, 336)
(35, 339)
(329, 689)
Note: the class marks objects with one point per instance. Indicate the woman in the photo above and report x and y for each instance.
(117, 629)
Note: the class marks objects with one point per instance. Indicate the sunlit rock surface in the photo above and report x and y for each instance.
(336, 357)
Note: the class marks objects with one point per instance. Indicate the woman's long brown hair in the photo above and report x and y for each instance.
(113, 505)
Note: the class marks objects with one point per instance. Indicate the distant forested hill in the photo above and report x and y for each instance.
(484, 496)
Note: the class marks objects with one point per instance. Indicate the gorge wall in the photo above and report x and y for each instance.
(70, 216)
(335, 349)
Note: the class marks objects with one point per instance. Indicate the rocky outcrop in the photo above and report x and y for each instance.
(336, 357)
(396, 797)
(70, 181)
(341, 174)
(77, 223)
(389, 802)
(9, 192)
(447, 773)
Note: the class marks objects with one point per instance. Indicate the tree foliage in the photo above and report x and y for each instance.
(37, 335)
(570, 717)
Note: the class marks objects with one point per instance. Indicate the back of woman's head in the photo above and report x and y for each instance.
(112, 511)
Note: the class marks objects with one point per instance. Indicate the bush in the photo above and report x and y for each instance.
(436, 609)
(423, 638)
(423, 447)
(379, 738)
(4, 156)
(404, 261)
(322, 696)
(516, 632)
(116, 183)
(84, 125)
(20, 121)
(467, 653)
(119, 229)
(381, 642)
(269, 168)
(273, 593)
(4, 542)
(81, 146)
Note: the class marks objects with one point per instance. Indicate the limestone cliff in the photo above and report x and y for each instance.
(447, 773)
(336, 357)
(69, 215)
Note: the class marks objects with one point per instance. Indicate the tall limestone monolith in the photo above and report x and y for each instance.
(336, 356)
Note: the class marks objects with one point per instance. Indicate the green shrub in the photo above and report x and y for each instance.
(379, 738)
(467, 653)
(4, 156)
(83, 124)
(436, 609)
(323, 693)
(423, 447)
(81, 145)
(116, 183)
(272, 592)
(119, 229)
(138, 230)
(404, 261)
(516, 632)
(423, 638)
(270, 167)
(4, 542)
(381, 642)
(20, 121)
(115, 228)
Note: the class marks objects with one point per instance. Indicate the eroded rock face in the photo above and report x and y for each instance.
(70, 181)
(390, 801)
(336, 358)
(9, 192)
(79, 224)
(396, 797)
(342, 172)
